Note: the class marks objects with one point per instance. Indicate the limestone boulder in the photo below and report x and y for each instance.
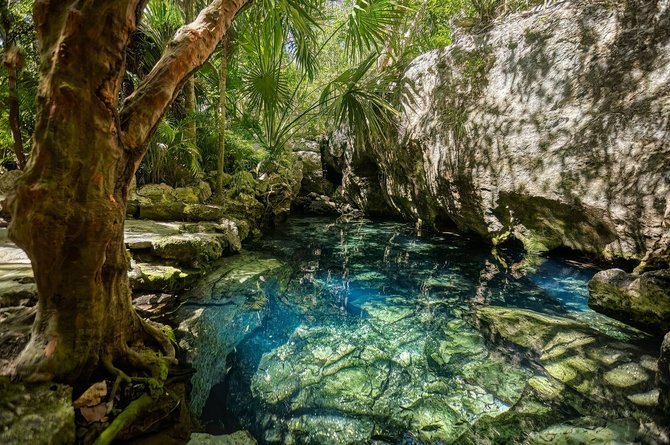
(187, 244)
(547, 127)
(40, 414)
(639, 300)
(162, 202)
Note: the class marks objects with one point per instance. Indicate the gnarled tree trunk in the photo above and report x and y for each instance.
(68, 208)
(190, 131)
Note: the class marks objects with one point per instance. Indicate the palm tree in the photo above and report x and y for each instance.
(281, 53)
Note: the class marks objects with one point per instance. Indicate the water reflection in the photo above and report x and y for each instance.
(384, 336)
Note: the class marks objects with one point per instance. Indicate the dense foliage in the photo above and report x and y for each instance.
(293, 70)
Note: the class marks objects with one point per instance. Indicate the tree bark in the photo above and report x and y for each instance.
(68, 208)
(190, 130)
(223, 74)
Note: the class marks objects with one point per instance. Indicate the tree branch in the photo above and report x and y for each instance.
(188, 50)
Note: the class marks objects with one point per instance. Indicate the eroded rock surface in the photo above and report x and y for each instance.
(39, 414)
(551, 127)
(220, 311)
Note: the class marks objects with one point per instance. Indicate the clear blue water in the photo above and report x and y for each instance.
(377, 339)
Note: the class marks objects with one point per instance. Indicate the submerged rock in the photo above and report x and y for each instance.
(642, 301)
(599, 367)
(664, 375)
(587, 431)
(40, 414)
(328, 430)
(385, 378)
(219, 312)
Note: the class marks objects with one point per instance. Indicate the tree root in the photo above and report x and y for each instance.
(127, 416)
(157, 366)
(144, 358)
(154, 331)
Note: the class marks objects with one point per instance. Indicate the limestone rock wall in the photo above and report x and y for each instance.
(552, 127)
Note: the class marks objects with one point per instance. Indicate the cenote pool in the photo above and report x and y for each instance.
(382, 336)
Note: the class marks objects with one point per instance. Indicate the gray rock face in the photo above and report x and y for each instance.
(551, 127)
(7, 180)
(219, 312)
(188, 244)
(313, 180)
(36, 414)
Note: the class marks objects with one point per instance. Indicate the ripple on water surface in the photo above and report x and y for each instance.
(382, 336)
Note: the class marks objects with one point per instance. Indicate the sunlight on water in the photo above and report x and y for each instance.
(382, 336)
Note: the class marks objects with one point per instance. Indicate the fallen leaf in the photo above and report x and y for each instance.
(95, 413)
(92, 396)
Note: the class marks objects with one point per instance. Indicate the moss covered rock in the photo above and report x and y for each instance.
(39, 414)
(160, 278)
(587, 361)
(640, 300)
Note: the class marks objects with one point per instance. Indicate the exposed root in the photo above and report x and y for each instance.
(154, 331)
(127, 417)
(120, 376)
(157, 367)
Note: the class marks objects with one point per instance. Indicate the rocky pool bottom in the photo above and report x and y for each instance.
(366, 332)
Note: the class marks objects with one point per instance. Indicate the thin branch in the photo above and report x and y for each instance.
(188, 50)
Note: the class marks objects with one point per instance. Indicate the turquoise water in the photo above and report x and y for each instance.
(384, 336)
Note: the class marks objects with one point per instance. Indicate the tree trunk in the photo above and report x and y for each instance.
(223, 74)
(190, 130)
(13, 64)
(68, 209)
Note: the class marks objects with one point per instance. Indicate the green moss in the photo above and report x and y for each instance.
(475, 66)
